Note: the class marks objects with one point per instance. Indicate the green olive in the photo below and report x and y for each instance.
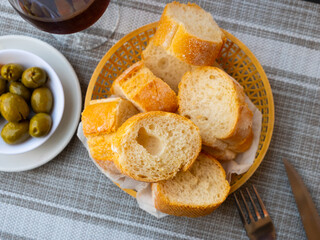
(34, 77)
(13, 107)
(13, 133)
(41, 100)
(19, 89)
(11, 72)
(3, 85)
(40, 125)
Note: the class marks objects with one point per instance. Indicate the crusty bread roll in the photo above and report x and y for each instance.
(189, 33)
(194, 193)
(154, 146)
(146, 91)
(215, 102)
(100, 120)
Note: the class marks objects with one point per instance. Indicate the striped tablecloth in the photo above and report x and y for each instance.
(69, 198)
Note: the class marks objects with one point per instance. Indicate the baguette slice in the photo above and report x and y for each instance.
(218, 153)
(146, 91)
(194, 193)
(243, 145)
(189, 33)
(106, 115)
(100, 148)
(100, 120)
(154, 146)
(216, 104)
(165, 66)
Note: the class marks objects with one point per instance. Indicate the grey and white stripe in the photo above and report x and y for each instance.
(69, 198)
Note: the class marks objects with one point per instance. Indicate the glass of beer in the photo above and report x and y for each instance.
(82, 24)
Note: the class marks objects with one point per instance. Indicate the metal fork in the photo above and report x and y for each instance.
(257, 227)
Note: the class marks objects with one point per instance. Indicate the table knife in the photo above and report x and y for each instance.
(308, 211)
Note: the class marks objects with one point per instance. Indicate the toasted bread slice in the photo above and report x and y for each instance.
(154, 146)
(146, 91)
(194, 193)
(216, 104)
(100, 120)
(189, 33)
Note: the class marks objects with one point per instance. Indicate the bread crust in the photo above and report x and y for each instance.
(242, 146)
(243, 126)
(129, 72)
(193, 50)
(131, 123)
(100, 121)
(219, 154)
(100, 118)
(100, 148)
(174, 37)
(166, 30)
(146, 91)
(163, 204)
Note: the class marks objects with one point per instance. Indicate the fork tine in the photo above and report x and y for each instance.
(242, 216)
(265, 213)
(246, 205)
(254, 206)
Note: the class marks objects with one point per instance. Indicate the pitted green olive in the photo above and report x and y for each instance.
(13, 107)
(11, 72)
(34, 77)
(13, 133)
(19, 89)
(41, 100)
(40, 125)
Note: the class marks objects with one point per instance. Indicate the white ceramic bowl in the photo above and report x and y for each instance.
(27, 59)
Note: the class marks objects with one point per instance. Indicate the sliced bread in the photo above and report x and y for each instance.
(103, 116)
(215, 102)
(146, 91)
(100, 120)
(165, 66)
(243, 145)
(218, 153)
(189, 33)
(154, 146)
(194, 193)
(100, 148)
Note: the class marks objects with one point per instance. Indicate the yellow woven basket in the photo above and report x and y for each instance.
(235, 58)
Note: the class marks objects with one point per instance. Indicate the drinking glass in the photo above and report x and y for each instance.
(81, 24)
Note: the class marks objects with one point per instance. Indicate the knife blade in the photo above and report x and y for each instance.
(308, 211)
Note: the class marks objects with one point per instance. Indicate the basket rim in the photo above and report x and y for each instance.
(245, 177)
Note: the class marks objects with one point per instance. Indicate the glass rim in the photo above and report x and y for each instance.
(15, 4)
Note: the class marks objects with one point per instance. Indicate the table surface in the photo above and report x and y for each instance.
(69, 198)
